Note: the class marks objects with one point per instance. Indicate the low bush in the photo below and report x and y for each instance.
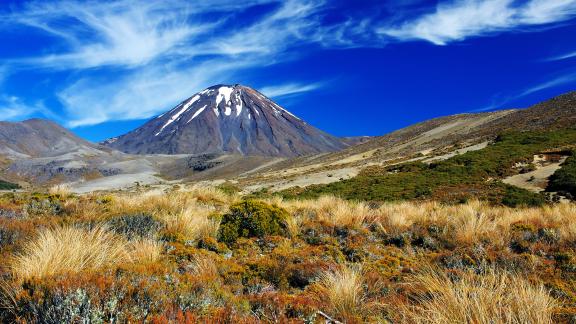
(564, 180)
(515, 197)
(4, 185)
(40, 204)
(252, 218)
(137, 226)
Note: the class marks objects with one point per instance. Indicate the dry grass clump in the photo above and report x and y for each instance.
(205, 268)
(338, 212)
(212, 195)
(397, 217)
(146, 251)
(491, 297)
(471, 222)
(293, 224)
(148, 202)
(153, 202)
(62, 190)
(69, 250)
(343, 290)
(560, 216)
(475, 220)
(331, 210)
(194, 222)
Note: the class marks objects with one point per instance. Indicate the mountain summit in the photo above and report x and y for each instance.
(227, 119)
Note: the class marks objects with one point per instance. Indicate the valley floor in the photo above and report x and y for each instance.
(191, 255)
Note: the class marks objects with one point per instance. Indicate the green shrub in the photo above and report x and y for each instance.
(8, 185)
(252, 218)
(564, 179)
(9, 236)
(41, 204)
(228, 188)
(135, 226)
(515, 197)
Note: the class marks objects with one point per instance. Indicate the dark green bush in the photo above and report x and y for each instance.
(41, 204)
(515, 197)
(564, 179)
(229, 188)
(8, 185)
(135, 226)
(252, 218)
(8, 236)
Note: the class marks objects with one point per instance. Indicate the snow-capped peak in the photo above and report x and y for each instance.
(228, 118)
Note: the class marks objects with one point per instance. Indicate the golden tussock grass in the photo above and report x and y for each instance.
(212, 195)
(205, 268)
(343, 290)
(474, 221)
(83, 209)
(466, 223)
(331, 210)
(491, 297)
(193, 222)
(69, 250)
(293, 224)
(397, 217)
(146, 251)
(62, 250)
(62, 190)
(171, 202)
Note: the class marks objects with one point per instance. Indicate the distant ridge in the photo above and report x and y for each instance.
(39, 138)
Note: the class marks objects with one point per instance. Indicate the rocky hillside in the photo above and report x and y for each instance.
(558, 112)
(228, 119)
(431, 140)
(39, 138)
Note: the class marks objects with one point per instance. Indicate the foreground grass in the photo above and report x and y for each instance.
(163, 257)
(489, 297)
(64, 250)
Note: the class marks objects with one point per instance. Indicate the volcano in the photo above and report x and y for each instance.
(225, 119)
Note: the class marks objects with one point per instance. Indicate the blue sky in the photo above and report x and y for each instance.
(361, 67)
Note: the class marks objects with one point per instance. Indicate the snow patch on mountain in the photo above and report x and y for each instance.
(198, 112)
(180, 112)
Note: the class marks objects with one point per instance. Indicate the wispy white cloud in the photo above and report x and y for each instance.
(13, 108)
(461, 19)
(159, 52)
(132, 60)
(561, 57)
(553, 82)
(118, 33)
(546, 11)
(290, 89)
(141, 94)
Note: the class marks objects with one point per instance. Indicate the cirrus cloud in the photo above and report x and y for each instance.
(128, 60)
(458, 20)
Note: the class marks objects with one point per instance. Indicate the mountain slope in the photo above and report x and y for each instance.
(431, 140)
(227, 119)
(558, 112)
(39, 138)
